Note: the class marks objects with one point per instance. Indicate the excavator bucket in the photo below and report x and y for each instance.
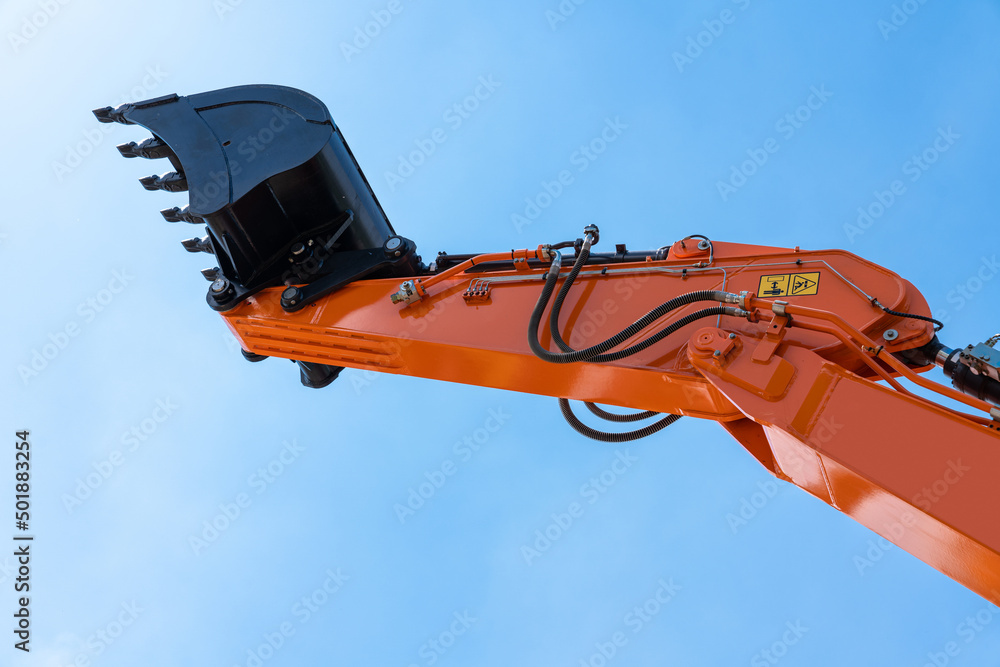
(282, 198)
(266, 169)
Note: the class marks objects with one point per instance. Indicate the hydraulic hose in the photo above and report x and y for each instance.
(649, 318)
(938, 325)
(567, 410)
(618, 418)
(603, 436)
(581, 260)
(598, 353)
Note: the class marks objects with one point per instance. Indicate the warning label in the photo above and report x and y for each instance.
(789, 284)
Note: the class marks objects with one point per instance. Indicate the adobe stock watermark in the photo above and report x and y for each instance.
(365, 35)
(248, 147)
(87, 311)
(436, 647)
(8, 568)
(914, 169)
(787, 127)
(35, 22)
(925, 500)
(968, 630)
(592, 319)
(230, 511)
(794, 463)
(454, 117)
(964, 292)
(303, 610)
(901, 13)
(106, 636)
(802, 461)
(704, 39)
(561, 13)
(591, 491)
(75, 153)
(131, 441)
(229, 340)
(435, 479)
(361, 379)
(224, 7)
(582, 158)
(773, 654)
(635, 620)
(749, 507)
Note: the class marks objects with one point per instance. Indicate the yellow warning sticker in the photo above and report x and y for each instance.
(789, 284)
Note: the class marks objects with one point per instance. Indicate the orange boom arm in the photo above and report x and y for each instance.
(795, 383)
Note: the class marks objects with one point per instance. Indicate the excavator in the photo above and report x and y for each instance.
(801, 355)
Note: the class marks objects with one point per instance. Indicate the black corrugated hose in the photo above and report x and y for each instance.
(620, 418)
(599, 353)
(938, 325)
(603, 436)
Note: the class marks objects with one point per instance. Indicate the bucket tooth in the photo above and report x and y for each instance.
(177, 214)
(131, 149)
(113, 115)
(171, 182)
(211, 274)
(198, 245)
(152, 148)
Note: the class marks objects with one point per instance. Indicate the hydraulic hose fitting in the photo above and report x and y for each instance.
(409, 292)
(555, 266)
(738, 312)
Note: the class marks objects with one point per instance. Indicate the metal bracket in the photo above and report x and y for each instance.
(773, 337)
(983, 359)
(351, 265)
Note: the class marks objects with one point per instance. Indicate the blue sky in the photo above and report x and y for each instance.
(83, 249)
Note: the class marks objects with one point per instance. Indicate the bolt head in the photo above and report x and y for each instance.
(890, 334)
(717, 353)
(298, 249)
(703, 245)
(219, 285)
(393, 243)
